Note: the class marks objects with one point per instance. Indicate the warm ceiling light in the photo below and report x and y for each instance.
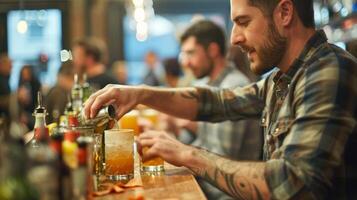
(139, 14)
(22, 26)
(138, 3)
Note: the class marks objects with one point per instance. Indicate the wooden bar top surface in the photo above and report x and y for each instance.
(174, 183)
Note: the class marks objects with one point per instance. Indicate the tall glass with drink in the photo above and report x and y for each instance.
(119, 154)
(155, 164)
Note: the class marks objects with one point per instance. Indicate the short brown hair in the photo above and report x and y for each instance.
(66, 69)
(93, 47)
(206, 32)
(304, 9)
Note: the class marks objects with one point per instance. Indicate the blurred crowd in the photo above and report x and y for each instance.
(204, 61)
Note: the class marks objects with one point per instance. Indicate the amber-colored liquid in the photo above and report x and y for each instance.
(119, 157)
(118, 162)
(130, 121)
(153, 162)
(152, 116)
(96, 163)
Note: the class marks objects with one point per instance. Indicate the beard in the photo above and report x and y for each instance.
(271, 52)
(206, 71)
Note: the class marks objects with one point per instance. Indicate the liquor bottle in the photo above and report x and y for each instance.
(82, 175)
(77, 95)
(40, 129)
(43, 170)
(64, 178)
(87, 90)
(13, 169)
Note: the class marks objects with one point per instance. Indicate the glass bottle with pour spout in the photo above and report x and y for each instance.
(40, 129)
(86, 89)
(77, 95)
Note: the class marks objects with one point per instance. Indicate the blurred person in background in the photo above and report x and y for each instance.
(9, 101)
(27, 90)
(89, 56)
(120, 72)
(203, 50)
(5, 91)
(173, 72)
(241, 62)
(154, 75)
(57, 96)
(181, 128)
(187, 78)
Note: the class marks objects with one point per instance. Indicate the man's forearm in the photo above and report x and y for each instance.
(179, 102)
(242, 180)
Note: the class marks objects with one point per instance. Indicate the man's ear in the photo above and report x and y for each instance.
(284, 12)
(213, 49)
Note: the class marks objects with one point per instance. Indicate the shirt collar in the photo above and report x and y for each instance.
(316, 40)
(228, 69)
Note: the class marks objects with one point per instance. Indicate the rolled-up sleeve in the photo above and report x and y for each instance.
(231, 104)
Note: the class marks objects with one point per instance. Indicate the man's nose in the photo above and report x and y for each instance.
(237, 36)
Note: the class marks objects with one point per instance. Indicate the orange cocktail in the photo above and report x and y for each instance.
(130, 121)
(155, 164)
(119, 154)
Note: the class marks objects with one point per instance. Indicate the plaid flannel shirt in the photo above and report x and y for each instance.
(309, 120)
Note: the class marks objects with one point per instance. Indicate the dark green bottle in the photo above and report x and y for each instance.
(87, 90)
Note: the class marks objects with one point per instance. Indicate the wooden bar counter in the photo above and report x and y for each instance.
(174, 183)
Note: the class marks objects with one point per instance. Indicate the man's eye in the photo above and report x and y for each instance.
(243, 23)
(190, 52)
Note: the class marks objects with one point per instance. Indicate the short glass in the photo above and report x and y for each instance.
(155, 164)
(119, 154)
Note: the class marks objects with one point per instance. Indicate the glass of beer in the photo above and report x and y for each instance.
(155, 164)
(130, 121)
(119, 154)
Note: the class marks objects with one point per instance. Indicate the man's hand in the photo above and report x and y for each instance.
(124, 98)
(242, 180)
(180, 102)
(163, 145)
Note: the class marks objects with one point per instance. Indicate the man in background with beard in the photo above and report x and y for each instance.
(89, 57)
(203, 50)
(307, 105)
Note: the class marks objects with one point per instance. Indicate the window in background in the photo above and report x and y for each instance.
(164, 32)
(35, 38)
(161, 40)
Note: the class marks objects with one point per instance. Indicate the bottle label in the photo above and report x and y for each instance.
(56, 146)
(82, 156)
(41, 133)
(73, 121)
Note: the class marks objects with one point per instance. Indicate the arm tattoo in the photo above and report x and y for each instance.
(242, 180)
(190, 95)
